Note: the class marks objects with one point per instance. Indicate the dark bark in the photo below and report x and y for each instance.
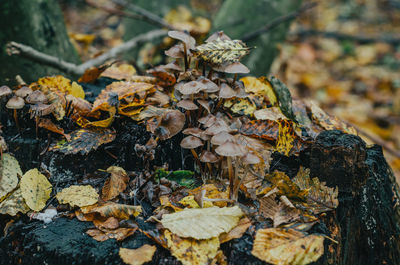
(39, 24)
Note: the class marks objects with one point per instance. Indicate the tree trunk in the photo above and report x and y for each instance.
(237, 18)
(37, 23)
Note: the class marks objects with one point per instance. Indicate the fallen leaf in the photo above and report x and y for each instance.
(58, 84)
(261, 87)
(285, 186)
(119, 72)
(211, 192)
(49, 125)
(203, 223)
(84, 140)
(320, 198)
(190, 251)
(111, 209)
(13, 203)
(78, 195)
(106, 223)
(241, 106)
(237, 231)
(137, 256)
(278, 212)
(273, 113)
(281, 247)
(119, 234)
(9, 172)
(115, 184)
(35, 189)
(284, 97)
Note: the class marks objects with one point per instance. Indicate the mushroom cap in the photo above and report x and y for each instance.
(208, 120)
(208, 85)
(193, 131)
(172, 122)
(182, 36)
(192, 87)
(208, 157)
(15, 103)
(230, 149)
(204, 104)
(173, 66)
(41, 109)
(23, 91)
(221, 138)
(218, 126)
(226, 91)
(218, 35)
(175, 51)
(35, 97)
(250, 159)
(187, 105)
(5, 91)
(191, 142)
(233, 68)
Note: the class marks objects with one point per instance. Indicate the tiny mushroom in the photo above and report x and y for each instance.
(192, 142)
(187, 105)
(231, 149)
(5, 91)
(193, 131)
(218, 126)
(172, 122)
(226, 91)
(15, 103)
(23, 91)
(233, 68)
(188, 43)
(191, 88)
(221, 138)
(218, 35)
(208, 157)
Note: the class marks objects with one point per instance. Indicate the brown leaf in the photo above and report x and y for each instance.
(49, 125)
(280, 212)
(111, 209)
(119, 234)
(137, 256)
(237, 231)
(115, 184)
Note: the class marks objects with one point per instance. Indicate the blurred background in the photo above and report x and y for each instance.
(343, 54)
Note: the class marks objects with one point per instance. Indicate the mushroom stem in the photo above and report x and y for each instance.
(16, 120)
(187, 112)
(234, 78)
(219, 104)
(204, 69)
(196, 65)
(185, 57)
(196, 157)
(209, 168)
(210, 74)
(37, 126)
(230, 173)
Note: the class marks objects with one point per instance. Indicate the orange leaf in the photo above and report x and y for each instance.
(115, 184)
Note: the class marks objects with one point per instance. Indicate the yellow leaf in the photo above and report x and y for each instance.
(13, 204)
(190, 251)
(203, 223)
(115, 184)
(285, 186)
(241, 106)
(35, 189)
(76, 90)
(137, 256)
(259, 86)
(286, 136)
(237, 231)
(77, 195)
(9, 172)
(283, 247)
(273, 114)
(111, 209)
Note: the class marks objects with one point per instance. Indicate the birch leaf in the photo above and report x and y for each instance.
(9, 171)
(137, 256)
(190, 251)
(283, 247)
(35, 189)
(13, 204)
(78, 195)
(202, 223)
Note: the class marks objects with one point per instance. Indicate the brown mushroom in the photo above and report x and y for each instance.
(36, 97)
(5, 91)
(175, 51)
(208, 158)
(218, 35)
(231, 149)
(218, 126)
(188, 43)
(39, 110)
(171, 123)
(15, 103)
(193, 131)
(191, 88)
(23, 92)
(226, 91)
(208, 85)
(192, 142)
(187, 105)
(221, 138)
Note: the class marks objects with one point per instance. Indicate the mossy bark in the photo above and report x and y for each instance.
(39, 24)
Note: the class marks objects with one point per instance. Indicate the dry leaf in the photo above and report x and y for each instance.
(119, 234)
(49, 125)
(190, 251)
(137, 256)
(237, 231)
(115, 184)
(111, 209)
(241, 106)
(273, 113)
(260, 87)
(283, 247)
(280, 212)
(9, 172)
(203, 223)
(284, 97)
(212, 192)
(120, 72)
(13, 204)
(105, 223)
(320, 198)
(58, 84)
(285, 186)
(77, 195)
(35, 189)
(84, 140)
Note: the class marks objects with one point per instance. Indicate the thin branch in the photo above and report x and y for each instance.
(304, 33)
(277, 21)
(145, 15)
(112, 11)
(14, 48)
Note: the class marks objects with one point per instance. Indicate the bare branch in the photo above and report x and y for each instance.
(276, 22)
(112, 11)
(28, 52)
(145, 15)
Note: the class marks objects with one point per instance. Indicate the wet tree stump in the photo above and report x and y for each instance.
(365, 225)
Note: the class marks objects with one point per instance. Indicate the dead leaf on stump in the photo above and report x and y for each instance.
(115, 184)
(137, 256)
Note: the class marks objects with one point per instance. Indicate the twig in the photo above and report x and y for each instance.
(14, 48)
(304, 33)
(144, 14)
(276, 22)
(113, 11)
